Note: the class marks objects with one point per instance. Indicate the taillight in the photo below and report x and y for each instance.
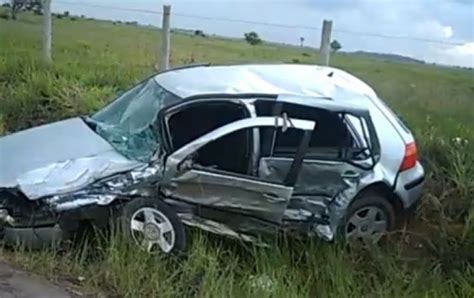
(410, 158)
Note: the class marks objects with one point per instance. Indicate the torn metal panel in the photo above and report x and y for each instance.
(139, 182)
(305, 207)
(72, 175)
(214, 227)
(243, 194)
(317, 177)
(61, 204)
(321, 192)
(336, 209)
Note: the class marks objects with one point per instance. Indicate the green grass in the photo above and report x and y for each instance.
(93, 60)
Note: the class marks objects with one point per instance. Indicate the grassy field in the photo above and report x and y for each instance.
(432, 256)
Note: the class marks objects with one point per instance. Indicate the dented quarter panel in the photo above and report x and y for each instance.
(321, 193)
(336, 209)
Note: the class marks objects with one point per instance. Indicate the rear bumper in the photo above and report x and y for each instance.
(409, 185)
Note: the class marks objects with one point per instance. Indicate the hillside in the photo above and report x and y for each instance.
(388, 57)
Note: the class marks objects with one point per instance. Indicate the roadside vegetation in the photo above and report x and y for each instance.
(431, 256)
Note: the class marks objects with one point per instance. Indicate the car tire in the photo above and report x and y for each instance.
(152, 225)
(367, 219)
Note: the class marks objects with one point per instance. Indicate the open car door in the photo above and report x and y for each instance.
(231, 194)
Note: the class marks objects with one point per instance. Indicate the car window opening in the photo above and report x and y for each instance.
(329, 140)
(230, 153)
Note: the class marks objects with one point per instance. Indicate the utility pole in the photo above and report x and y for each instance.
(324, 49)
(165, 39)
(47, 31)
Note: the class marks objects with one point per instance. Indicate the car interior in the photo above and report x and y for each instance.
(230, 153)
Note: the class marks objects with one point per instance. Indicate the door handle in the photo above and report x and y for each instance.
(350, 175)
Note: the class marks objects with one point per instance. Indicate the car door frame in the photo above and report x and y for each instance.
(343, 109)
(273, 197)
(165, 114)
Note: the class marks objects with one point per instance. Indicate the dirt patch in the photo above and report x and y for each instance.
(17, 283)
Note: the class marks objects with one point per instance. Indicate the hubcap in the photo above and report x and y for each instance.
(366, 224)
(152, 230)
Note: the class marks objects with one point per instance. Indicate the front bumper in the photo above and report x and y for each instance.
(34, 238)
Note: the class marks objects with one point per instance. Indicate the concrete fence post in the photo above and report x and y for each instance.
(325, 48)
(165, 39)
(47, 34)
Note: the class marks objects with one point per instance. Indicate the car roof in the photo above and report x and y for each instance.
(269, 79)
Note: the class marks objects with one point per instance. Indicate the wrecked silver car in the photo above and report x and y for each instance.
(234, 150)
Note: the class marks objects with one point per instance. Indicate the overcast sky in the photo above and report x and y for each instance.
(451, 21)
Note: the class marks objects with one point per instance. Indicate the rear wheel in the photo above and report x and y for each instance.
(368, 218)
(152, 225)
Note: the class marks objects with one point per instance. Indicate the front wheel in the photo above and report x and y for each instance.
(367, 219)
(152, 225)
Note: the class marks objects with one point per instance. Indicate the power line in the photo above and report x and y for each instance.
(267, 24)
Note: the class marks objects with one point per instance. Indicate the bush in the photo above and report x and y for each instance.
(199, 33)
(4, 15)
(73, 18)
(59, 16)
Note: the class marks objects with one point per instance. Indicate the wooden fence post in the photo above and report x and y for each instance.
(325, 47)
(47, 31)
(165, 39)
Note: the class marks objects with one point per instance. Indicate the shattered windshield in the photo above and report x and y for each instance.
(129, 123)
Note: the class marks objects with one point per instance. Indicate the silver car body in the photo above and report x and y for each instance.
(68, 166)
(309, 81)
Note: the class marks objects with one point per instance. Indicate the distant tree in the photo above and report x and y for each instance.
(17, 5)
(335, 46)
(199, 33)
(301, 41)
(252, 38)
(66, 14)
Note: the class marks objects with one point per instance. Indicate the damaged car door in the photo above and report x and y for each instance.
(225, 196)
(342, 150)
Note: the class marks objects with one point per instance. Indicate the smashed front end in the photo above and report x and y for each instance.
(44, 221)
(58, 178)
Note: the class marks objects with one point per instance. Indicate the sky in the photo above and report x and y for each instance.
(449, 21)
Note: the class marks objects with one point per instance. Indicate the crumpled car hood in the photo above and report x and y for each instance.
(57, 158)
